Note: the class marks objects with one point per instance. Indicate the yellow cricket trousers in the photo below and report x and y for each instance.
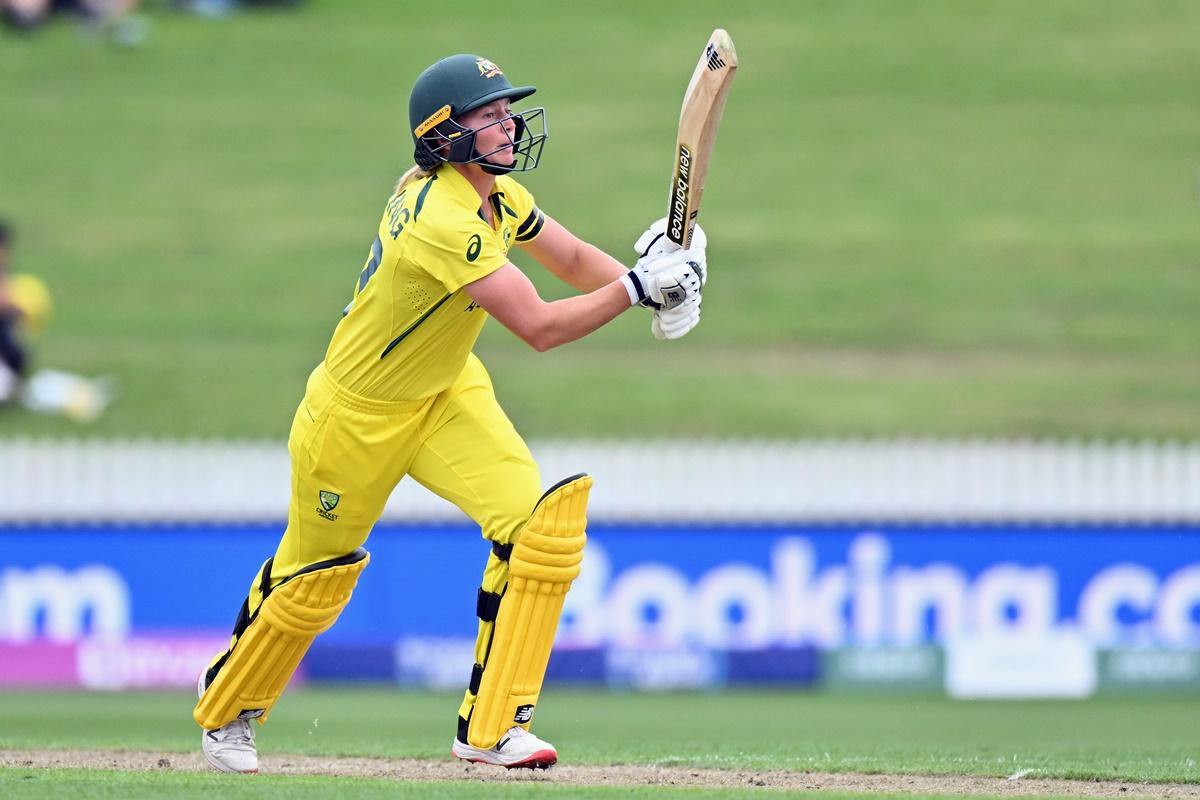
(348, 453)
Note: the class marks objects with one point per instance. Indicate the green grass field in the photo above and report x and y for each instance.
(1128, 739)
(927, 217)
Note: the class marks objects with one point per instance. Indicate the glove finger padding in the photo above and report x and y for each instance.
(654, 242)
(662, 261)
(677, 322)
(656, 327)
(661, 330)
(667, 274)
(666, 330)
(675, 286)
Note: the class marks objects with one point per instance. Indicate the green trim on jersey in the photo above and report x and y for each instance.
(413, 327)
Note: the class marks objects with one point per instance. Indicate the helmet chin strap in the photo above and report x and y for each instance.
(494, 169)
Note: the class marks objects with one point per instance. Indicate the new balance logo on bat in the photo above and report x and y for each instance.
(715, 61)
(681, 195)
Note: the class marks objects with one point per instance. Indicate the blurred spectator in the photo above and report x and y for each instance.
(29, 14)
(24, 310)
(111, 19)
(24, 305)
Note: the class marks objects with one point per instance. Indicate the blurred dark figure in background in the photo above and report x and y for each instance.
(111, 20)
(14, 360)
(29, 14)
(24, 311)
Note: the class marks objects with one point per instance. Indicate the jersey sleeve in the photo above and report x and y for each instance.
(456, 251)
(531, 219)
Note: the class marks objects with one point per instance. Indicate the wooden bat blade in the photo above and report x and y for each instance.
(699, 118)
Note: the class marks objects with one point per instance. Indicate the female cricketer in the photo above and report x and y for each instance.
(400, 393)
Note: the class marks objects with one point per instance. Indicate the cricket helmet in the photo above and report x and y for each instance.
(450, 88)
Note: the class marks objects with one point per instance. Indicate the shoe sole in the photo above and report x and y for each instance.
(219, 767)
(542, 759)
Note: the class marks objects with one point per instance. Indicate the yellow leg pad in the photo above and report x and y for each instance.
(544, 561)
(268, 652)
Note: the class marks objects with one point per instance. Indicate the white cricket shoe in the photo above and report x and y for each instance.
(229, 748)
(518, 748)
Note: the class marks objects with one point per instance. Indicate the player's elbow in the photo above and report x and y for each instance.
(544, 331)
(542, 339)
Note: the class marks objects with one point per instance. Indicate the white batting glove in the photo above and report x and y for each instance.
(677, 322)
(661, 281)
(654, 241)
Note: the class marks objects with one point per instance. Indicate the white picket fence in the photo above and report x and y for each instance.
(747, 480)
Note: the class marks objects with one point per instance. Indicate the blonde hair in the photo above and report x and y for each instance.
(414, 173)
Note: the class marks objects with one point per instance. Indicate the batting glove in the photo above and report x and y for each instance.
(661, 281)
(654, 241)
(677, 322)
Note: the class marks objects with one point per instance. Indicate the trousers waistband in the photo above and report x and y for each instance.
(357, 402)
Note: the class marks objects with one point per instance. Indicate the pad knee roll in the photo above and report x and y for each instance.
(266, 654)
(545, 560)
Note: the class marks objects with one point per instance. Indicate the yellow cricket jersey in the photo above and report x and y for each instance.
(409, 329)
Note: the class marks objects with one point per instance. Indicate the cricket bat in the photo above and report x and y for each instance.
(703, 104)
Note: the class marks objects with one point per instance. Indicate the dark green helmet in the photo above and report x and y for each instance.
(450, 88)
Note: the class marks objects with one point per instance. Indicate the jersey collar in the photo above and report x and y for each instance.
(463, 191)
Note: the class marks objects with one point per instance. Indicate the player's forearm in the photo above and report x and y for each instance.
(572, 318)
(591, 269)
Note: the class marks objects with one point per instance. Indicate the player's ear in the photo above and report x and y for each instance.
(455, 142)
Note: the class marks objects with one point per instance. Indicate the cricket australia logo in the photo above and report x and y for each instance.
(487, 69)
(329, 501)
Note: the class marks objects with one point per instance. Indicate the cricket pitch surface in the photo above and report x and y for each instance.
(592, 775)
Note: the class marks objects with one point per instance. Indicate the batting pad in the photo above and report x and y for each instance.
(544, 561)
(269, 650)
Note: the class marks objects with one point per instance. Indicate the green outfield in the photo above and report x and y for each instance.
(925, 217)
(1133, 739)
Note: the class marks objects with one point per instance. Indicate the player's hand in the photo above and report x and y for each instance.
(661, 281)
(654, 241)
(677, 322)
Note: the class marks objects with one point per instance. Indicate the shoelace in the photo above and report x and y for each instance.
(239, 731)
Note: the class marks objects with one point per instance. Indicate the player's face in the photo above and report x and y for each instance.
(495, 128)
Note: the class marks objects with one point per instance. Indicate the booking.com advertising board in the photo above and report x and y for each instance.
(655, 606)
